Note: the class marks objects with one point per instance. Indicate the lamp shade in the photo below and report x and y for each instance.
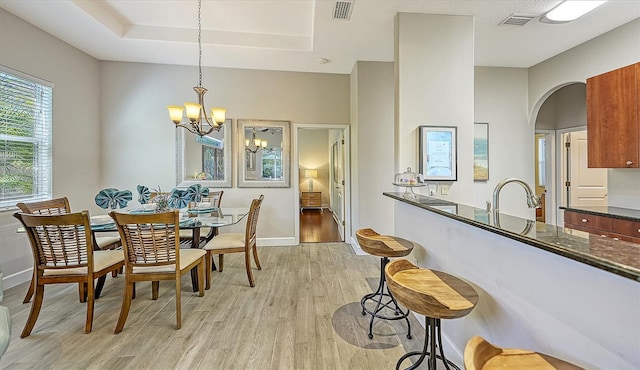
(218, 114)
(311, 174)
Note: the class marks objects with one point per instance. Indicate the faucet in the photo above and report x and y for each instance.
(532, 200)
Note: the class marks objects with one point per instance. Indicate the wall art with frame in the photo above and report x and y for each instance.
(438, 153)
(480, 151)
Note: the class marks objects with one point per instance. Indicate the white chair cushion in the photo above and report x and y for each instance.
(187, 257)
(101, 260)
(106, 241)
(224, 241)
(188, 233)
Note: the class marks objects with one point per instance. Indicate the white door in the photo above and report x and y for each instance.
(586, 186)
(338, 196)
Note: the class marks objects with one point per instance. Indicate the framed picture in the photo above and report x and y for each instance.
(438, 153)
(480, 151)
(263, 154)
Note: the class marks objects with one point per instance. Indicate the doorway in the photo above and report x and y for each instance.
(320, 154)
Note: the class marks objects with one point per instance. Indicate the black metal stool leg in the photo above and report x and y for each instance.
(432, 341)
(377, 297)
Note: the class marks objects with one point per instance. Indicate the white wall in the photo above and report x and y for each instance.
(614, 49)
(76, 133)
(138, 136)
(500, 99)
(434, 86)
(375, 170)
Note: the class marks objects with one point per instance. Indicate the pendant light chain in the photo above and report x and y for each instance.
(199, 43)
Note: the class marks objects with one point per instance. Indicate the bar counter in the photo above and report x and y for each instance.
(549, 289)
(616, 256)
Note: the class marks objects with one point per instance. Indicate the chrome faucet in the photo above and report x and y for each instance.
(532, 200)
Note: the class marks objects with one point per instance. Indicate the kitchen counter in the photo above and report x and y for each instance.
(615, 256)
(612, 212)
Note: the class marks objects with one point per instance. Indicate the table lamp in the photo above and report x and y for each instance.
(311, 174)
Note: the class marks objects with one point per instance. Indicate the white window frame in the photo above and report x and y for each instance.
(42, 138)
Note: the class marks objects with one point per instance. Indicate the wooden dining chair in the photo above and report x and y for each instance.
(152, 253)
(236, 243)
(63, 252)
(61, 206)
(215, 198)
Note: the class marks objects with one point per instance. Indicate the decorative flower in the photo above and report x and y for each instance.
(196, 192)
(179, 198)
(143, 194)
(113, 198)
(161, 200)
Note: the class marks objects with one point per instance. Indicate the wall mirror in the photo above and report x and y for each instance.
(204, 160)
(262, 153)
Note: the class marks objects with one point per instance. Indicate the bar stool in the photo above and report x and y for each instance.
(434, 294)
(480, 354)
(383, 246)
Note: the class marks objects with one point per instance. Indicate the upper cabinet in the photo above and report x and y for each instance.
(613, 121)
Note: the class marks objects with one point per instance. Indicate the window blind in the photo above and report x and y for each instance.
(25, 138)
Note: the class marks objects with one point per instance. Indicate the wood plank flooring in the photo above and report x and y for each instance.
(304, 313)
(318, 227)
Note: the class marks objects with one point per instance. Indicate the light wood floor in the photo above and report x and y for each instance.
(304, 313)
(318, 227)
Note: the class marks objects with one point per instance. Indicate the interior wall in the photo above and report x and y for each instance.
(565, 108)
(313, 154)
(135, 120)
(76, 120)
(376, 169)
(612, 50)
(500, 98)
(434, 86)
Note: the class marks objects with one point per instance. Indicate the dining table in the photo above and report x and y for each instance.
(194, 220)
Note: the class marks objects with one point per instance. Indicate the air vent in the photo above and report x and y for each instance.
(342, 10)
(517, 20)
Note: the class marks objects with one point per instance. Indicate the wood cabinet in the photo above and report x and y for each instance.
(606, 227)
(613, 121)
(310, 199)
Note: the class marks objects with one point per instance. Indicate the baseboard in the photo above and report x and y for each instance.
(356, 248)
(18, 278)
(275, 242)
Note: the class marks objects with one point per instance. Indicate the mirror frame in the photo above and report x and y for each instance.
(241, 126)
(182, 182)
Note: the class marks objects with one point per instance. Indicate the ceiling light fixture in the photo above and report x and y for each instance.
(570, 10)
(253, 145)
(196, 112)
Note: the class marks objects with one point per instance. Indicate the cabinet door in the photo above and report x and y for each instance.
(613, 128)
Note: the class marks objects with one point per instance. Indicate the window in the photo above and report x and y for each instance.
(25, 138)
(272, 164)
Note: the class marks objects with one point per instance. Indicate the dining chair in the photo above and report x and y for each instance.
(63, 252)
(215, 198)
(60, 206)
(236, 243)
(152, 253)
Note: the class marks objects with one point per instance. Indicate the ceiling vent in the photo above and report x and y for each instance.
(342, 10)
(517, 20)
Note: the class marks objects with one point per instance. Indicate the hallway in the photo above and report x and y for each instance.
(318, 227)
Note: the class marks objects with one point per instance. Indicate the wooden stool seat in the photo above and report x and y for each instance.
(383, 245)
(434, 294)
(381, 303)
(482, 355)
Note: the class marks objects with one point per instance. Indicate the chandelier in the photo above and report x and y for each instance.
(253, 145)
(196, 112)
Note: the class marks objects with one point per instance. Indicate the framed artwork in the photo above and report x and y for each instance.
(438, 153)
(480, 151)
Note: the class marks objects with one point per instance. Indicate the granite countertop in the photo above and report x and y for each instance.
(613, 212)
(616, 256)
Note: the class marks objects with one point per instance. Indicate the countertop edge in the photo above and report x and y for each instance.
(596, 262)
(596, 213)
